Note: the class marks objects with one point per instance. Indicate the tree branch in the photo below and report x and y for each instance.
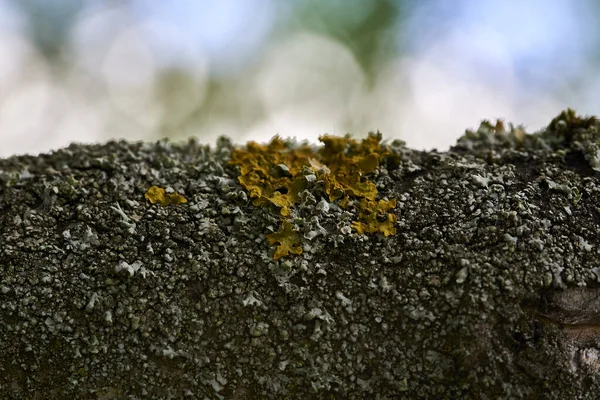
(486, 287)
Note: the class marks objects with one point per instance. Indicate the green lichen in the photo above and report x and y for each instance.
(276, 174)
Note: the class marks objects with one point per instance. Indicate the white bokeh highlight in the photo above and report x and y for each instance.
(308, 83)
(458, 63)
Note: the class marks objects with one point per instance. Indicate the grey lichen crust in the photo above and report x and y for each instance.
(483, 292)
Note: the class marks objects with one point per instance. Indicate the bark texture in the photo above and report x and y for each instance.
(487, 290)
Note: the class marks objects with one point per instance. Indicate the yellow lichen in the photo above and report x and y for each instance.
(274, 174)
(369, 217)
(288, 241)
(158, 195)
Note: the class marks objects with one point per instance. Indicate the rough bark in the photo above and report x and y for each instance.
(488, 289)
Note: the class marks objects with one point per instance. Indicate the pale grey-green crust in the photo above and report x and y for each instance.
(487, 291)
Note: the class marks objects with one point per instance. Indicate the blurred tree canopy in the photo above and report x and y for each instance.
(253, 67)
(367, 28)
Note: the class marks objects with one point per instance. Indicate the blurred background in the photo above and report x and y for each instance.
(421, 70)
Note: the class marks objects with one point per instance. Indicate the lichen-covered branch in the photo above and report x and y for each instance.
(357, 270)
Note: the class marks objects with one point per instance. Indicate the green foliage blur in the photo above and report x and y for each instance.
(365, 28)
(422, 71)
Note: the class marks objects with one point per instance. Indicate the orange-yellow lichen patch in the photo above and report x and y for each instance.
(158, 195)
(369, 217)
(275, 174)
(288, 240)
